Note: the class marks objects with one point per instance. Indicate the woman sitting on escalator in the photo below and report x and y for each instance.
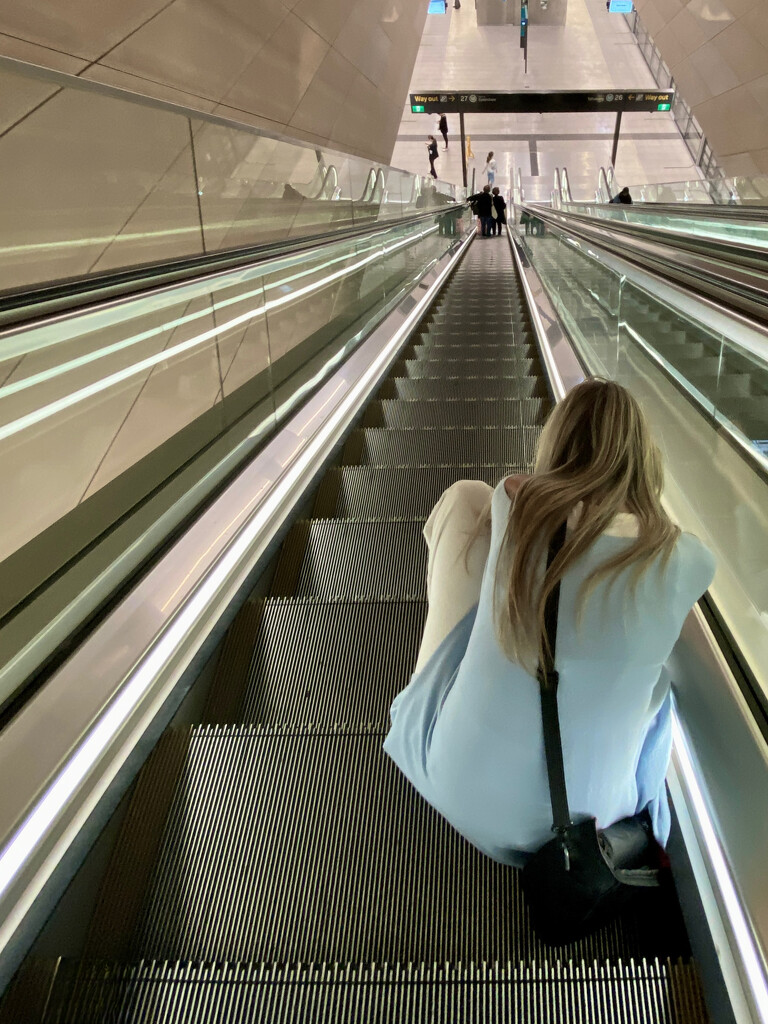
(467, 730)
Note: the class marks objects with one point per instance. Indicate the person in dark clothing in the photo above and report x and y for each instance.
(500, 206)
(443, 128)
(432, 153)
(623, 197)
(483, 204)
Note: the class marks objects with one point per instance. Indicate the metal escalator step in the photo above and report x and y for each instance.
(331, 663)
(442, 446)
(337, 558)
(477, 412)
(632, 992)
(372, 492)
(440, 346)
(307, 844)
(439, 368)
(419, 389)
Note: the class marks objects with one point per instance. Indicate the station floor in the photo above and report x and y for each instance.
(592, 50)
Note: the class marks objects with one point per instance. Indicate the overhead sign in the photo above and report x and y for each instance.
(581, 101)
(620, 7)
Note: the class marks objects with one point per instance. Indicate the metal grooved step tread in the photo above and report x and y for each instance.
(325, 680)
(482, 387)
(442, 446)
(448, 344)
(335, 558)
(478, 412)
(302, 844)
(438, 368)
(366, 492)
(632, 992)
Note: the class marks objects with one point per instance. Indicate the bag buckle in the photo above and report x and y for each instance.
(547, 680)
(561, 833)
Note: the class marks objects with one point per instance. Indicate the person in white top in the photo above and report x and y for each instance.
(490, 168)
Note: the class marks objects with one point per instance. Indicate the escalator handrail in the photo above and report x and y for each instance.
(70, 295)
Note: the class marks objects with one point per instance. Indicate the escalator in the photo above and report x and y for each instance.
(272, 864)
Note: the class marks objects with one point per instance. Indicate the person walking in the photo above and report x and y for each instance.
(442, 125)
(482, 204)
(490, 169)
(500, 206)
(432, 153)
(467, 731)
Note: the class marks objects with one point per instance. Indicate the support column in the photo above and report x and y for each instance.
(616, 139)
(463, 150)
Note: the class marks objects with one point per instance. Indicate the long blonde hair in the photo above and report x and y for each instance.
(596, 449)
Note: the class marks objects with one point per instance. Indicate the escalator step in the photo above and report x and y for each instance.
(338, 558)
(368, 492)
(418, 389)
(633, 992)
(472, 349)
(307, 845)
(442, 446)
(324, 681)
(508, 366)
(509, 412)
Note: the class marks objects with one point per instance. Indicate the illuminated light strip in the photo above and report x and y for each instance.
(39, 820)
(46, 411)
(742, 932)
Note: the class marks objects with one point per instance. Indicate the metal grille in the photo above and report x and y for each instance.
(338, 558)
(480, 387)
(307, 844)
(507, 367)
(479, 412)
(443, 446)
(321, 680)
(404, 492)
(643, 992)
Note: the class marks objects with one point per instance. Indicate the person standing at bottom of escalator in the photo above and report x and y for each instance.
(490, 169)
(432, 154)
(442, 127)
(500, 206)
(482, 204)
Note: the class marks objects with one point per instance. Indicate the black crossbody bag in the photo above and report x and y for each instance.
(585, 875)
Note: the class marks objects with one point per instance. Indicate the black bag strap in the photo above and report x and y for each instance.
(548, 681)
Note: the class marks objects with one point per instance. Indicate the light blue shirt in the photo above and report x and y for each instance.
(467, 730)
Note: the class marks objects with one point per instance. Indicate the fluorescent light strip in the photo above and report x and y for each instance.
(750, 957)
(40, 819)
(46, 411)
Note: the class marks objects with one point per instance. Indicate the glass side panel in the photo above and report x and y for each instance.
(139, 182)
(696, 223)
(702, 379)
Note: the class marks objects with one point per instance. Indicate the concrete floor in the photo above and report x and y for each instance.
(594, 49)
